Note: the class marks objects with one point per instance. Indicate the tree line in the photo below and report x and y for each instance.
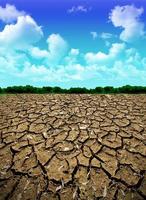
(76, 90)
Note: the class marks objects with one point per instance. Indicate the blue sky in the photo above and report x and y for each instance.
(72, 43)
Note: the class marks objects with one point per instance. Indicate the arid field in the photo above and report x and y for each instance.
(72, 147)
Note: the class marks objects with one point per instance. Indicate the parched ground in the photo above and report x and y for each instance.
(73, 147)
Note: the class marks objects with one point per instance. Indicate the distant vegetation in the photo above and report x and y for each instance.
(98, 90)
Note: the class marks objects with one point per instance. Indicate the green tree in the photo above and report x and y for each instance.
(1, 90)
(47, 89)
(56, 90)
(108, 89)
(78, 90)
(98, 90)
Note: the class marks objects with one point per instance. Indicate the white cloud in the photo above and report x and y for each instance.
(22, 34)
(10, 13)
(114, 51)
(31, 70)
(74, 52)
(38, 53)
(120, 65)
(79, 8)
(72, 57)
(57, 45)
(57, 49)
(127, 17)
(128, 72)
(93, 34)
(121, 71)
(42, 73)
(106, 35)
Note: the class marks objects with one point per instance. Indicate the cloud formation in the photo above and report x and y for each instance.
(22, 34)
(23, 59)
(57, 49)
(106, 35)
(79, 8)
(93, 34)
(128, 17)
(10, 13)
(114, 51)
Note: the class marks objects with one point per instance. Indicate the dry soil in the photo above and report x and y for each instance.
(72, 147)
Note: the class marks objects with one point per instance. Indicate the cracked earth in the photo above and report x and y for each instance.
(73, 147)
